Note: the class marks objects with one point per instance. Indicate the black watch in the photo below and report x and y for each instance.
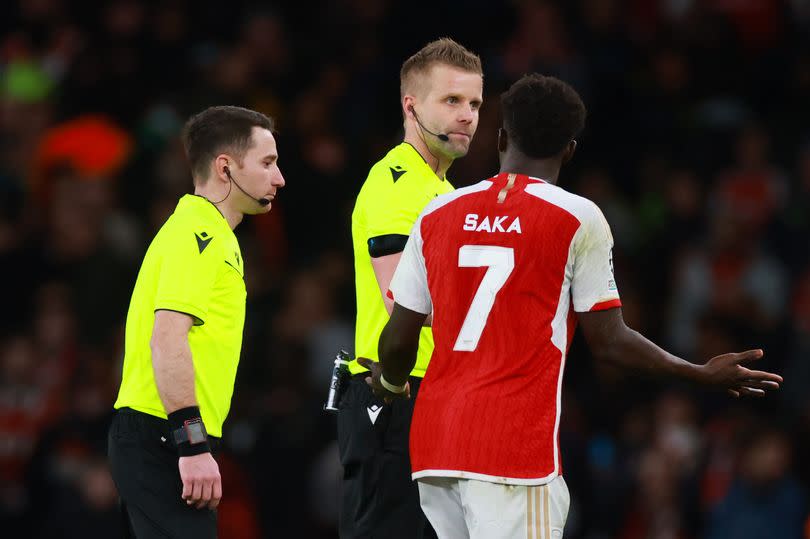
(192, 431)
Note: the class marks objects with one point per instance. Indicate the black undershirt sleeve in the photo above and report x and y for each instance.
(386, 245)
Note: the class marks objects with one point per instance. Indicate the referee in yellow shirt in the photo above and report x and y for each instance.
(184, 331)
(441, 92)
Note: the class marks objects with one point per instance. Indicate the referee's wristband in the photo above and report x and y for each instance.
(188, 432)
(391, 387)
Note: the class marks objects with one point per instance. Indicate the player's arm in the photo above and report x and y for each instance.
(596, 301)
(399, 342)
(610, 339)
(171, 360)
(384, 267)
(385, 263)
(174, 377)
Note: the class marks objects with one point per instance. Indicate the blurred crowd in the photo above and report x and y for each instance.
(697, 150)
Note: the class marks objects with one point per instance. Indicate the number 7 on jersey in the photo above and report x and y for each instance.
(499, 261)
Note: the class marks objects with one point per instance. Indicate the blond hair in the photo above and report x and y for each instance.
(441, 51)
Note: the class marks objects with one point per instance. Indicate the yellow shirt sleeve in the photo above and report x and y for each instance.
(189, 265)
(392, 207)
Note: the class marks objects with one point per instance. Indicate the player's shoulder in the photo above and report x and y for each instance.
(446, 200)
(400, 170)
(189, 232)
(391, 167)
(583, 209)
(397, 181)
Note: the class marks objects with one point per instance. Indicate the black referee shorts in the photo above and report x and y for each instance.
(379, 499)
(143, 462)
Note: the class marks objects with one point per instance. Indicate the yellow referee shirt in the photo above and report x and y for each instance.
(398, 187)
(194, 266)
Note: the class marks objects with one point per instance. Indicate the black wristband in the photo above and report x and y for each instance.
(188, 432)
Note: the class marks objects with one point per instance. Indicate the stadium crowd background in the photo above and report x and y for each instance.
(697, 149)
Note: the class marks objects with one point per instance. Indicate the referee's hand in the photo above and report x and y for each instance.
(202, 484)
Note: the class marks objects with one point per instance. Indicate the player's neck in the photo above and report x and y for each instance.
(231, 215)
(437, 162)
(545, 169)
(234, 217)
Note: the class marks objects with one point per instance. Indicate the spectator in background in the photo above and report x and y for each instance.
(26, 404)
(667, 474)
(541, 42)
(729, 276)
(765, 499)
(656, 512)
(753, 188)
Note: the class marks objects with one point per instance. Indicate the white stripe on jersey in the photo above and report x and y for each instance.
(580, 207)
(583, 210)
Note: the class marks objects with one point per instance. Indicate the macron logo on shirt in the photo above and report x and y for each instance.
(373, 411)
(396, 172)
(203, 239)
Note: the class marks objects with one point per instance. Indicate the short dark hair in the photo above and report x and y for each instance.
(441, 51)
(220, 129)
(542, 115)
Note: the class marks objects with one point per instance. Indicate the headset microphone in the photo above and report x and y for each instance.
(440, 136)
(261, 201)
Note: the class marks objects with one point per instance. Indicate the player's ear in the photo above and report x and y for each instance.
(503, 140)
(221, 165)
(407, 105)
(568, 152)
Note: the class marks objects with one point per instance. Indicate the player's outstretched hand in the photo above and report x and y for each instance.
(375, 371)
(727, 372)
(202, 484)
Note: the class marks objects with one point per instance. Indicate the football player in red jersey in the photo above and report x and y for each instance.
(508, 267)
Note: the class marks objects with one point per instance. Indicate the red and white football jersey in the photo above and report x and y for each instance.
(502, 265)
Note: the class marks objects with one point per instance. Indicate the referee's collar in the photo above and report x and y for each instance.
(202, 206)
(405, 145)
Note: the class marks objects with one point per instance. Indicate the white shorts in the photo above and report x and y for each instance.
(466, 508)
